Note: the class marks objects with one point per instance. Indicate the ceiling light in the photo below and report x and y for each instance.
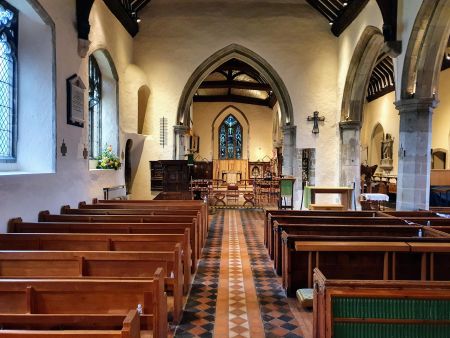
(138, 20)
(345, 4)
(331, 23)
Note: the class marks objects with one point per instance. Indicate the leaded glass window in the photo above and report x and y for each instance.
(230, 139)
(95, 107)
(8, 84)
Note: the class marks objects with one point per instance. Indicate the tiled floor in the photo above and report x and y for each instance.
(235, 292)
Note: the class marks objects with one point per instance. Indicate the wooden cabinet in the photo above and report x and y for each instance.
(156, 176)
(175, 175)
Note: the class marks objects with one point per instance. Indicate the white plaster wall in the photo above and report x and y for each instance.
(257, 142)
(25, 195)
(441, 116)
(178, 35)
(382, 111)
(35, 109)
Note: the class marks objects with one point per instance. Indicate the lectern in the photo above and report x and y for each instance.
(286, 198)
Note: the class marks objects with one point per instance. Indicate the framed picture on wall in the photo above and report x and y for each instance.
(75, 101)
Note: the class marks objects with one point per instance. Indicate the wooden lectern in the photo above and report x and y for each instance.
(286, 197)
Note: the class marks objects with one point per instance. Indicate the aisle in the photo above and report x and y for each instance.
(235, 292)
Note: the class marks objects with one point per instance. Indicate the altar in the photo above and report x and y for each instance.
(230, 171)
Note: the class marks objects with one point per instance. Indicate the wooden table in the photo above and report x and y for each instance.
(345, 192)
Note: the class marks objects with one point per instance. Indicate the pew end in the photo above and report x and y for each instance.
(11, 226)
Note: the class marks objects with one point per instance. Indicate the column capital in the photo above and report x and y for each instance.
(180, 129)
(346, 125)
(416, 105)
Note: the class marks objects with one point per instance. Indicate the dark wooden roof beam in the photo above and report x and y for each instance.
(231, 98)
(235, 85)
(348, 14)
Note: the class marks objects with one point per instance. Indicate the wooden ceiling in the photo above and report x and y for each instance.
(236, 81)
(382, 79)
(339, 13)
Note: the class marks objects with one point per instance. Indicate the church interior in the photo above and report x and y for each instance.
(245, 168)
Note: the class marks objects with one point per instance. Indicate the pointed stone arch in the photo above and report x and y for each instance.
(361, 66)
(425, 50)
(235, 51)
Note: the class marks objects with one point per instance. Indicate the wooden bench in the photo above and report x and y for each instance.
(71, 326)
(103, 242)
(85, 297)
(107, 224)
(162, 204)
(355, 308)
(112, 209)
(97, 264)
(352, 260)
(328, 220)
(274, 239)
(271, 215)
(331, 232)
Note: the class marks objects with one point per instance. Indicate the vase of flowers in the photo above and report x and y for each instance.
(108, 160)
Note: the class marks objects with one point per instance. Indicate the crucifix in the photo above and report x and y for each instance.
(316, 118)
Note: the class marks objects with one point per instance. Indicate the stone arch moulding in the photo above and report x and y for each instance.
(425, 50)
(361, 66)
(243, 54)
(218, 119)
(109, 59)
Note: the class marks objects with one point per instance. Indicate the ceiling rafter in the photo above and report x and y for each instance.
(382, 78)
(242, 84)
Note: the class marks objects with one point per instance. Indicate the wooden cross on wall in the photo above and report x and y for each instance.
(316, 118)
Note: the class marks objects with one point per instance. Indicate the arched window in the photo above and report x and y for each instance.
(8, 85)
(103, 104)
(95, 107)
(230, 139)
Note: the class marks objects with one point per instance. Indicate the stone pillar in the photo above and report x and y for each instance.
(414, 157)
(180, 146)
(350, 157)
(289, 142)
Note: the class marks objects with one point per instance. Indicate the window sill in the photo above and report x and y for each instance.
(19, 173)
(103, 170)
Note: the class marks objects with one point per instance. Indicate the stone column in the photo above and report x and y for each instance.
(289, 142)
(350, 157)
(414, 158)
(180, 146)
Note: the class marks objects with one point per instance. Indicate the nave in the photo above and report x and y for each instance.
(235, 292)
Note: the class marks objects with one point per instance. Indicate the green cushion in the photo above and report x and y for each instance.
(305, 297)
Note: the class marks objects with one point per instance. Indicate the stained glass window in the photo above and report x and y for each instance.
(8, 84)
(230, 139)
(95, 107)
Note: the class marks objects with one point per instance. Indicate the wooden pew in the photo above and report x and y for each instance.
(387, 260)
(71, 326)
(84, 297)
(280, 223)
(112, 209)
(400, 232)
(103, 242)
(271, 215)
(163, 205)
(326, 220)
(355, 308)
(97, 264)
(109, 224)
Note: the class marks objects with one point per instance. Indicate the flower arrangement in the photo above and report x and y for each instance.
(107, 160)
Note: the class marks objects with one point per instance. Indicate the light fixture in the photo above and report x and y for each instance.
(138, 20)
(345, 4)
(331, 23)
